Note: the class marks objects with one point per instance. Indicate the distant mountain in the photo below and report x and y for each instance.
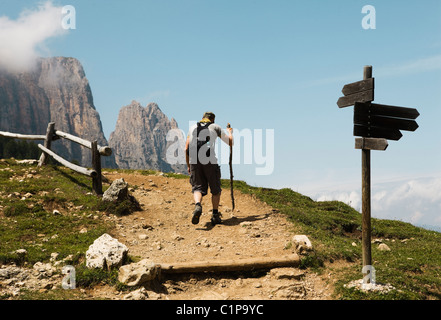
(55, 90)
(139, 140)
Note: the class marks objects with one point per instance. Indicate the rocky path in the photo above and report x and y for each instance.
(163, 233)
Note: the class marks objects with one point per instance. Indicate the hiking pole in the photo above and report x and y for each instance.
(231, 171)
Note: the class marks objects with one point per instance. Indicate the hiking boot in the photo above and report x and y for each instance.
(216, 219)
(196, 213)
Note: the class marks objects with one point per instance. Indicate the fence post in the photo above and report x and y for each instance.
(97, 183)
(47, 143)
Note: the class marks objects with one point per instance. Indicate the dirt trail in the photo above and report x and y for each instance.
(163, 233)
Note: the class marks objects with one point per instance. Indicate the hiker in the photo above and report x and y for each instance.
(202, 163)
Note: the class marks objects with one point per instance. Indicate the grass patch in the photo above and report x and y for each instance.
(28, 196)
(87, 278)
(413, 265)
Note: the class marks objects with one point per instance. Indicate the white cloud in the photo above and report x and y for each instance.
(21, 40)
(416, 200)
(351, 198)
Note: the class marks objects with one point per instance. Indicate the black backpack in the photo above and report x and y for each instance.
(203, 137)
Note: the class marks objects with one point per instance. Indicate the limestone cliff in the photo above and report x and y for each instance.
(55, 90)
(139, 140)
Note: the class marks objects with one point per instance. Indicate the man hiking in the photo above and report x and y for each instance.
(202, 163)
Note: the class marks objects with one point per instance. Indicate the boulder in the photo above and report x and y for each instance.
(301, 243)
(118, 191)
(106, 252)
(139, 273)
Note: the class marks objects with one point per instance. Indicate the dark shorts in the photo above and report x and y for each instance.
(203, 176)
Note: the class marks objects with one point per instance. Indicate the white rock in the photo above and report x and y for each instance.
(301, 242)
(383, 247)
(140, 294)
(54, 256)
(135, 274)
(21, 252)
(378, 287)
(68, 258)
(27, 161)
(106, 252)
(43, 270)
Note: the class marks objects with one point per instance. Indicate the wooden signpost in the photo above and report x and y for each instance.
(361, 91)
(381, 121)
(374, 123)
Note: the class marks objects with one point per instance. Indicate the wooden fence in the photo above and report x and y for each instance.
(51, 135)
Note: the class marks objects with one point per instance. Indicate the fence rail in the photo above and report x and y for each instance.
(22, 136)
(51, 135)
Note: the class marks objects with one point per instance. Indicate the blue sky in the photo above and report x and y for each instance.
(276, 65)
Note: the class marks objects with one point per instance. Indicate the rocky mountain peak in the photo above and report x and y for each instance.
(139, 140)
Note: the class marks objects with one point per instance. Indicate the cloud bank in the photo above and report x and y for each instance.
(417, 201)
(23, 39)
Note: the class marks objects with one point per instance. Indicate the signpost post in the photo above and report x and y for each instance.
(374, 123)
(366, 192)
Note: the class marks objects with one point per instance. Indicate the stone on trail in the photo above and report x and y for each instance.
(139, 273)
(118, 191)
(106, 252)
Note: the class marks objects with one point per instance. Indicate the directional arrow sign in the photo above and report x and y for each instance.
(377, 132)
(363, 118)
(363, 85)
(371, 144)
(364, 96)
(361, 91)
(389, 111)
